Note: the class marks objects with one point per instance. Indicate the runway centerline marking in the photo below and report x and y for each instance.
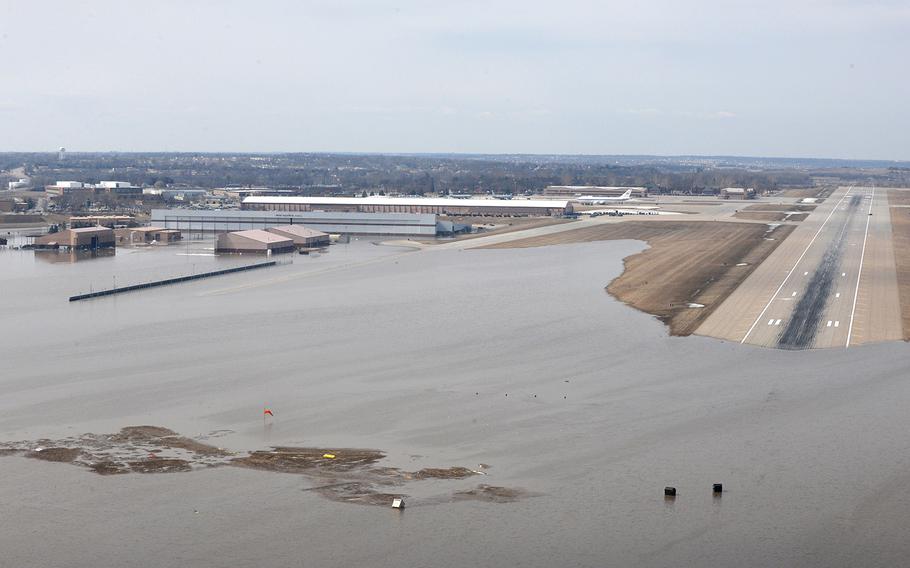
(859, 272)
(798, 260)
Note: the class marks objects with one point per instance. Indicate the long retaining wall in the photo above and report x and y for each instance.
(168, 281)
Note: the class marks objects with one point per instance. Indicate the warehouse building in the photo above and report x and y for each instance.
(146, 235)
(594, 190)
(90, 238)
(253, 241)
(737, 193)
(398, 224)
(120, 188)
(438, 206)
(302, 236)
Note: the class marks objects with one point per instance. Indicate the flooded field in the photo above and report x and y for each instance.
(527, 416)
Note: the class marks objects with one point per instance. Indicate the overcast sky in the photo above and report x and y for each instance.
(811, 78)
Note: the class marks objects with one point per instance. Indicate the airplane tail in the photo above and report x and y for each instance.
(627, 194)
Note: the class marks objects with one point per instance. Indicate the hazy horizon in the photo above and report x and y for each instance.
(820, 79)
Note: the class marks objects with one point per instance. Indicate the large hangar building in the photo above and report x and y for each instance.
(595, 190)
(438, 206)
(399, 224)
(254, 241)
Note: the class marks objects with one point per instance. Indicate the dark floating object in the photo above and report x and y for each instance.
(718, 488)
(669, 491)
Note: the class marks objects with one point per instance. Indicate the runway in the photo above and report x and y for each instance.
(833, 283)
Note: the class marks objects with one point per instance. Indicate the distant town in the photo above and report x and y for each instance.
(68, 190)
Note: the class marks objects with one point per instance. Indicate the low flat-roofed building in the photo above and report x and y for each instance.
(14, 205)
(147, 235)
(302, 236)
(253, 241)
(21, 183)
(438, 206)
(79, 238)
(110, 221)
(63, 187)
(737, 193)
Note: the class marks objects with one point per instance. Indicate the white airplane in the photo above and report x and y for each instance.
(600, 200)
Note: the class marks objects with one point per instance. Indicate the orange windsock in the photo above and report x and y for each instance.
(267, 411)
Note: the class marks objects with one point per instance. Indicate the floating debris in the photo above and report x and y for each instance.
(491, 493)
(348, 475)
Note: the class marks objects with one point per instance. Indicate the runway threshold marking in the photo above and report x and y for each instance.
(790, 273)
(859, 272)
(837, 295)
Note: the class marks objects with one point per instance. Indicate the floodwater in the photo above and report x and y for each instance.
(517, 359)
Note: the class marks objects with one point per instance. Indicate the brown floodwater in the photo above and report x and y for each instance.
(574, 411)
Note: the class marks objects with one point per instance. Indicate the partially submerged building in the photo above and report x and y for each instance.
(302, 236)
(387, 224)
(83, 238)
(147, 235)
(254, 241)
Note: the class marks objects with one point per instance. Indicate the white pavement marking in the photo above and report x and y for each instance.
(859, 272)
(771, 321)
(787, 277)
(837, 295)
(844, 273)
(829, 323)
(837, 324)
(806, 273)
(793, 294)
(777, 322)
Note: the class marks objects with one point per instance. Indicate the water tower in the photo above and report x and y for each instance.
(61, 154)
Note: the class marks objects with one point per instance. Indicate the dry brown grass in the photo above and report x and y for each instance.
(767, 216)
(778, 207)
(818, 192)
(900, 236)
(687, 262)
(504, 224)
